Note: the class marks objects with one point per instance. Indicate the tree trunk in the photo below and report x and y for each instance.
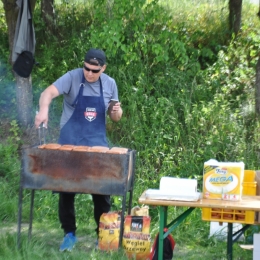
(257, 88)
(258, 14)
(235, 8)
(11, 13)
(24, 100)
(48, 14)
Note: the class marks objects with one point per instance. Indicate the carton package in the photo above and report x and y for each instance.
(223, 180)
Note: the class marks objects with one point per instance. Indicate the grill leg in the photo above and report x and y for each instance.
(130, 201)
(122, 221)
(31, 215)
(132, 185)
(20, 202)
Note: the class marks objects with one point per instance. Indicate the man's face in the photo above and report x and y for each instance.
(92, 72)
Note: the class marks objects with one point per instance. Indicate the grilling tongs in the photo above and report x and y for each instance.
(41, 133)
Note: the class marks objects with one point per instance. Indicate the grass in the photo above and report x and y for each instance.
(46, 239)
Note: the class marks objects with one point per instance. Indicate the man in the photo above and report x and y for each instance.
(86, 94)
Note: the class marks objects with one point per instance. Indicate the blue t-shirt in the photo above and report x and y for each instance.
(68, 85)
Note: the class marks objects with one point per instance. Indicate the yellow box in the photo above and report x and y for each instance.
(223, 180)
(249, 175)
(249, 188)
(228, 215)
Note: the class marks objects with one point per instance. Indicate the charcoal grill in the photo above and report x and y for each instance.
(79, 172)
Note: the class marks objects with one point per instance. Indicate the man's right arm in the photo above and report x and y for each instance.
(45, 99)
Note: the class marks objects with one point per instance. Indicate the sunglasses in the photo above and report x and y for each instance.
(93, 71)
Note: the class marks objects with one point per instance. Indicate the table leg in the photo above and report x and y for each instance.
(165, 216)
(163, 219)
(171, 226)
(240, 232)
(230, 241)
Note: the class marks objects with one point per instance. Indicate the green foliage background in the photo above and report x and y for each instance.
(186, 88)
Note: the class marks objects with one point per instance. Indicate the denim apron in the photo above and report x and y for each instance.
(87, 125)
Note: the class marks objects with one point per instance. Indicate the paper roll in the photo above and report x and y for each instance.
(178, 186)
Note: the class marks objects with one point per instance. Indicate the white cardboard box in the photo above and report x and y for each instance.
(219, 231)
(256, 250)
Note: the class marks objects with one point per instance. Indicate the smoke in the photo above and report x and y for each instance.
(7, 92)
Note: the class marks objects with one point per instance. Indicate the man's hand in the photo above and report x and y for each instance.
(46, 97)
(41, 117)
(115, 112)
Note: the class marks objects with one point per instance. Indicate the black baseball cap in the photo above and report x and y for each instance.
(95, 57)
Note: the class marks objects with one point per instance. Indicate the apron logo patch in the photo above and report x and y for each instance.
(90, 114)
